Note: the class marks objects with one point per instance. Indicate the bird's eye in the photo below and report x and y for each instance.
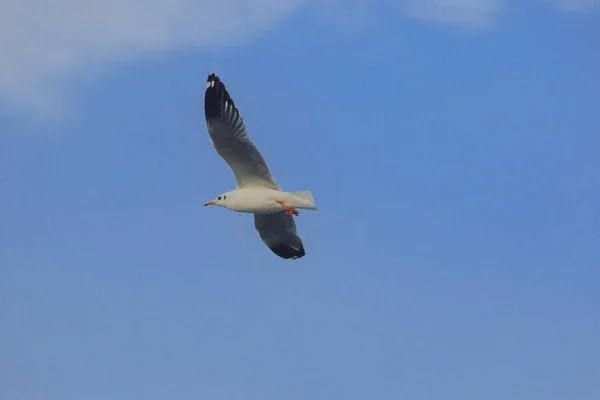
(219, 198)
(224, 197)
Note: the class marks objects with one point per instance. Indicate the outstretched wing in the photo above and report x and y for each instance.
(230, 139)
(278, 232)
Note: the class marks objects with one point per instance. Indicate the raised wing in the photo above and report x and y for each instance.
(278, 232)
(230, 139)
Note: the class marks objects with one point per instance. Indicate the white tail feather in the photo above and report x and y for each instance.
(307, 196)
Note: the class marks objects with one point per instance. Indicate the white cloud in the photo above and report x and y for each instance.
(46, 46)
(472, 13)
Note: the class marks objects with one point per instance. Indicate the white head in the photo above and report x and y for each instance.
(219, 201)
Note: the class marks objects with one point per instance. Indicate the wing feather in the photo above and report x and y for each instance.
(278, 232)
(230, 138)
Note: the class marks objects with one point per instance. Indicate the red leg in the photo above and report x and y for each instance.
(289, 210)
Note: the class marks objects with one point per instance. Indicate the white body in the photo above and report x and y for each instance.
(265, 201)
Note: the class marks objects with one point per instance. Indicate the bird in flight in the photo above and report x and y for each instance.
(256, 192)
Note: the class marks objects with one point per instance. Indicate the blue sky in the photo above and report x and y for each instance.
(452, 149)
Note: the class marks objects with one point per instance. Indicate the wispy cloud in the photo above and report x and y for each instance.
(45, 46)
(472, 13)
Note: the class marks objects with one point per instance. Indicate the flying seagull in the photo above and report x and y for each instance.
(256, 193)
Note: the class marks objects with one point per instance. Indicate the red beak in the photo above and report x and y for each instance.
(210, 203)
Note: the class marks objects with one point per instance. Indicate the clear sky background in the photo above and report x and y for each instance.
(453, 151)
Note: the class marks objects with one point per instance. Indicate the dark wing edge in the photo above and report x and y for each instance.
(278, 232)
(215, 97)
(229, 137)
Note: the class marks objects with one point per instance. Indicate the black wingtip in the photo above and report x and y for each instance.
(214, 96)
(288, 252)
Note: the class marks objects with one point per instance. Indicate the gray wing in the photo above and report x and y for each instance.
(230, 139)
(278, 232)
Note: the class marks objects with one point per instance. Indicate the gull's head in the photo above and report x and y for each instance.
(218, 201)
